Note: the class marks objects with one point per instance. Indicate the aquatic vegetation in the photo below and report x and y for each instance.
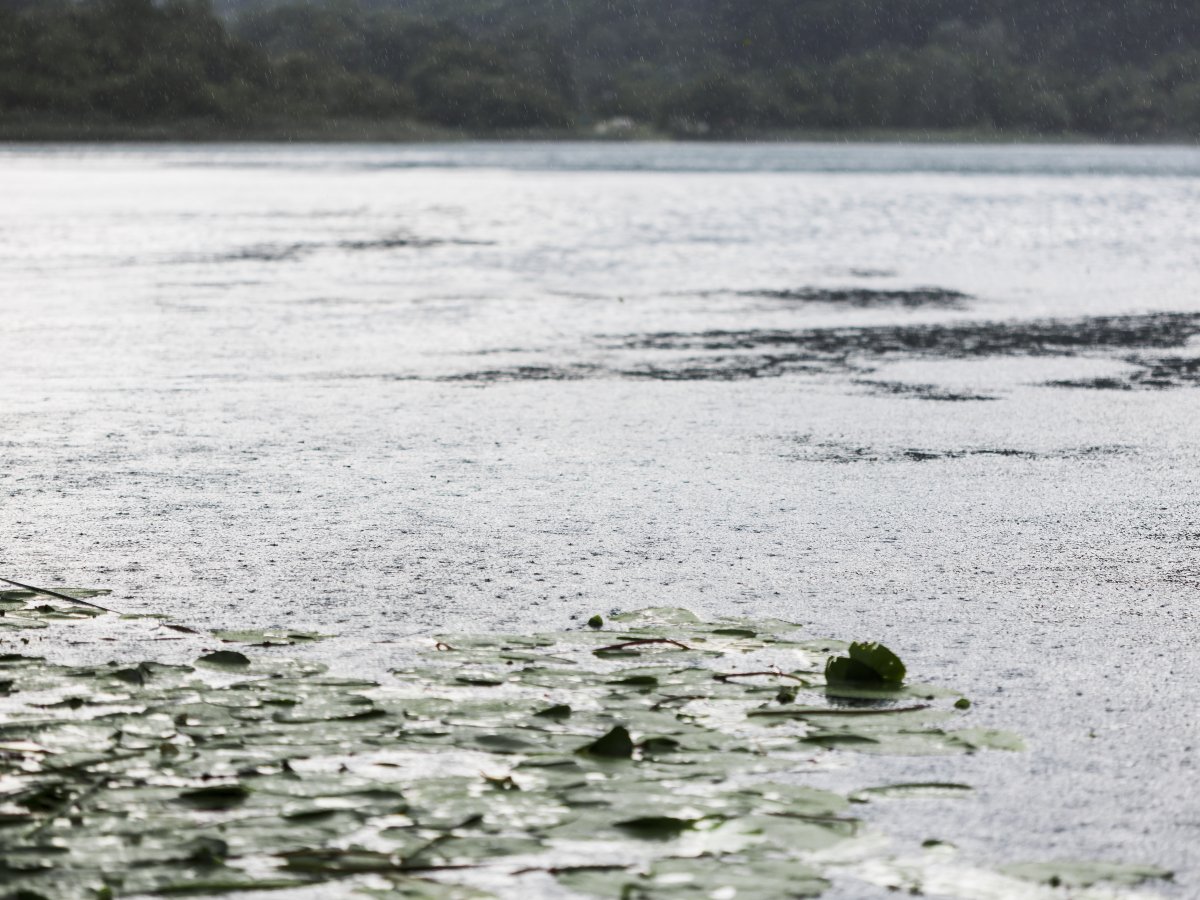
(268, 637)
(865, 664)
(661, 757)
(1084, 874)
(23, 608)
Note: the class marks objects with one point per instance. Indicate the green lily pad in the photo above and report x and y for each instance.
(676, 879)
(487, 754)
(616, 744)
(652, 827)
(225, 659)
(1076, 874)
(268, 637)
(868, 663)
(932, 789)
(224, 796)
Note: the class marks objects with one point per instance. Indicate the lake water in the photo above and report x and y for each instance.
(940, 396)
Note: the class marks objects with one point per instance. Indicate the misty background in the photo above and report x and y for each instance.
(1124, 69)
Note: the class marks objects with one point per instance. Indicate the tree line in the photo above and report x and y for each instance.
(1109, 68)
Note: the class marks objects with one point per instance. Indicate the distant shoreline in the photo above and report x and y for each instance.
(356, 131)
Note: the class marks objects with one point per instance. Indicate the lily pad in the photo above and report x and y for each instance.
(867, 663)
(1077, 874)
(665, 773)
(226, 659)
(268, 637)
(932, 789)
(616, 744)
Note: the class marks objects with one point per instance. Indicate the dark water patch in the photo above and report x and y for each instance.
(716, 368)
(400, 242)
(1040, 337)
(867, 298)
(389, 243)
(808, 450)
(290, 252)
(263, 253)
(1157, 374)
(920, 391)
(725, 368)
(574, 372)
(1187, 575)
(1189, 538)
(756, 354)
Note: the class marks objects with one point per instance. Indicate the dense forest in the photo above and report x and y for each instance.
(1107, 68)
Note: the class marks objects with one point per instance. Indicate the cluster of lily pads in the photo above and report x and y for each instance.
(654, 756)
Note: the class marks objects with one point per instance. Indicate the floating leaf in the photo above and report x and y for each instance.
(132, 676)
(616, 744)
(657, 746)
(234, 883)
(658, 827)
(268, 637)
(1076, 874)
(468, 759)
(676, 879)
(933, 789)
(637, 680)
(868, 663)
(225, 659)
(221, 796)
(987, 739)
(656, 616)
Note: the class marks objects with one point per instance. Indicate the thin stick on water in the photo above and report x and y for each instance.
(642, 643)
(38, 590)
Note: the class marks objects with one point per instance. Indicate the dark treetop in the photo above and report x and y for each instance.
(1109, 68)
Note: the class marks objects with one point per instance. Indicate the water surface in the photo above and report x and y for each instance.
(943, 396)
